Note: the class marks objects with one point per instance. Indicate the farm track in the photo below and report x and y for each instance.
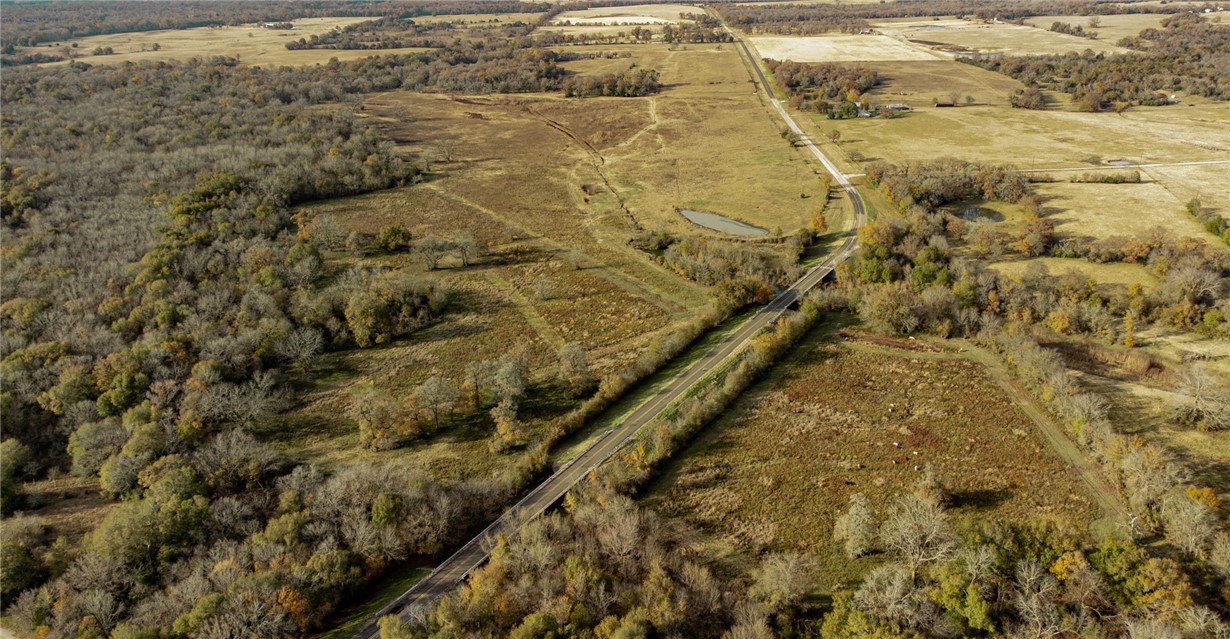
(453, 570)
(596, 159)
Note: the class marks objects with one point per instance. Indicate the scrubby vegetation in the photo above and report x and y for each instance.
(1186, 55)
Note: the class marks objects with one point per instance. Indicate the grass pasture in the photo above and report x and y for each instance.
(1111, 28)
(956, 35)
(1204, 182)
(1102, 210)
(989, 130)
(777, 469)
(251, 43)
(1115, 274)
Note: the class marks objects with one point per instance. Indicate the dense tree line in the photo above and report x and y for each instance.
(799, 19)
(1073, 30)
(831, 89)
(1187, 55)
(28, 24)
(917, 250)
(633, 82)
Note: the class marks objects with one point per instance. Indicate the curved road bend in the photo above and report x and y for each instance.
(453, 570)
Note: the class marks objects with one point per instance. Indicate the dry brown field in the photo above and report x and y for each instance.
(552, 184)
(251, 43)
(863, 413)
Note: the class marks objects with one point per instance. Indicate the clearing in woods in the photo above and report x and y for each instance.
(1140, 385)
(849, 411)
(628, 14)
(555, 187)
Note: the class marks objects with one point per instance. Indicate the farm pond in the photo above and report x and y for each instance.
(723, 224)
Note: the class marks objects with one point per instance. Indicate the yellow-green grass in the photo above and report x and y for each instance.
(777, 469)
(1206, 183)
(1111, 28)
(1104, 210)
(251, 43)
(976, 35)
(839, 48)
(1116, 274)
(1036, 140)
(920, 84)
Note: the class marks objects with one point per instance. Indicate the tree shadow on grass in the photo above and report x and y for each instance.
(980, 499)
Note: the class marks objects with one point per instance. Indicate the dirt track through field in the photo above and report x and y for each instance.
(596, 158)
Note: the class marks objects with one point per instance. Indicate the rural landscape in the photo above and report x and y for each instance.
(402, 319)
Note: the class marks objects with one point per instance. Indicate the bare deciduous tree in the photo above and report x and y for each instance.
(782, 580)
(918, 532)
(1190, 524)
(1201, 399)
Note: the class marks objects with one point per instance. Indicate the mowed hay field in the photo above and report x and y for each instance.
(628, 14)
(779, 467)
(1204, 182)
(838, 48)
(251, 43)
(976, 35)
(1098, 211)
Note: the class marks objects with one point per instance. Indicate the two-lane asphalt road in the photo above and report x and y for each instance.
(454, 569)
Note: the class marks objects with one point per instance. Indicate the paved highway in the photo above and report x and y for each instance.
(454, 569)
